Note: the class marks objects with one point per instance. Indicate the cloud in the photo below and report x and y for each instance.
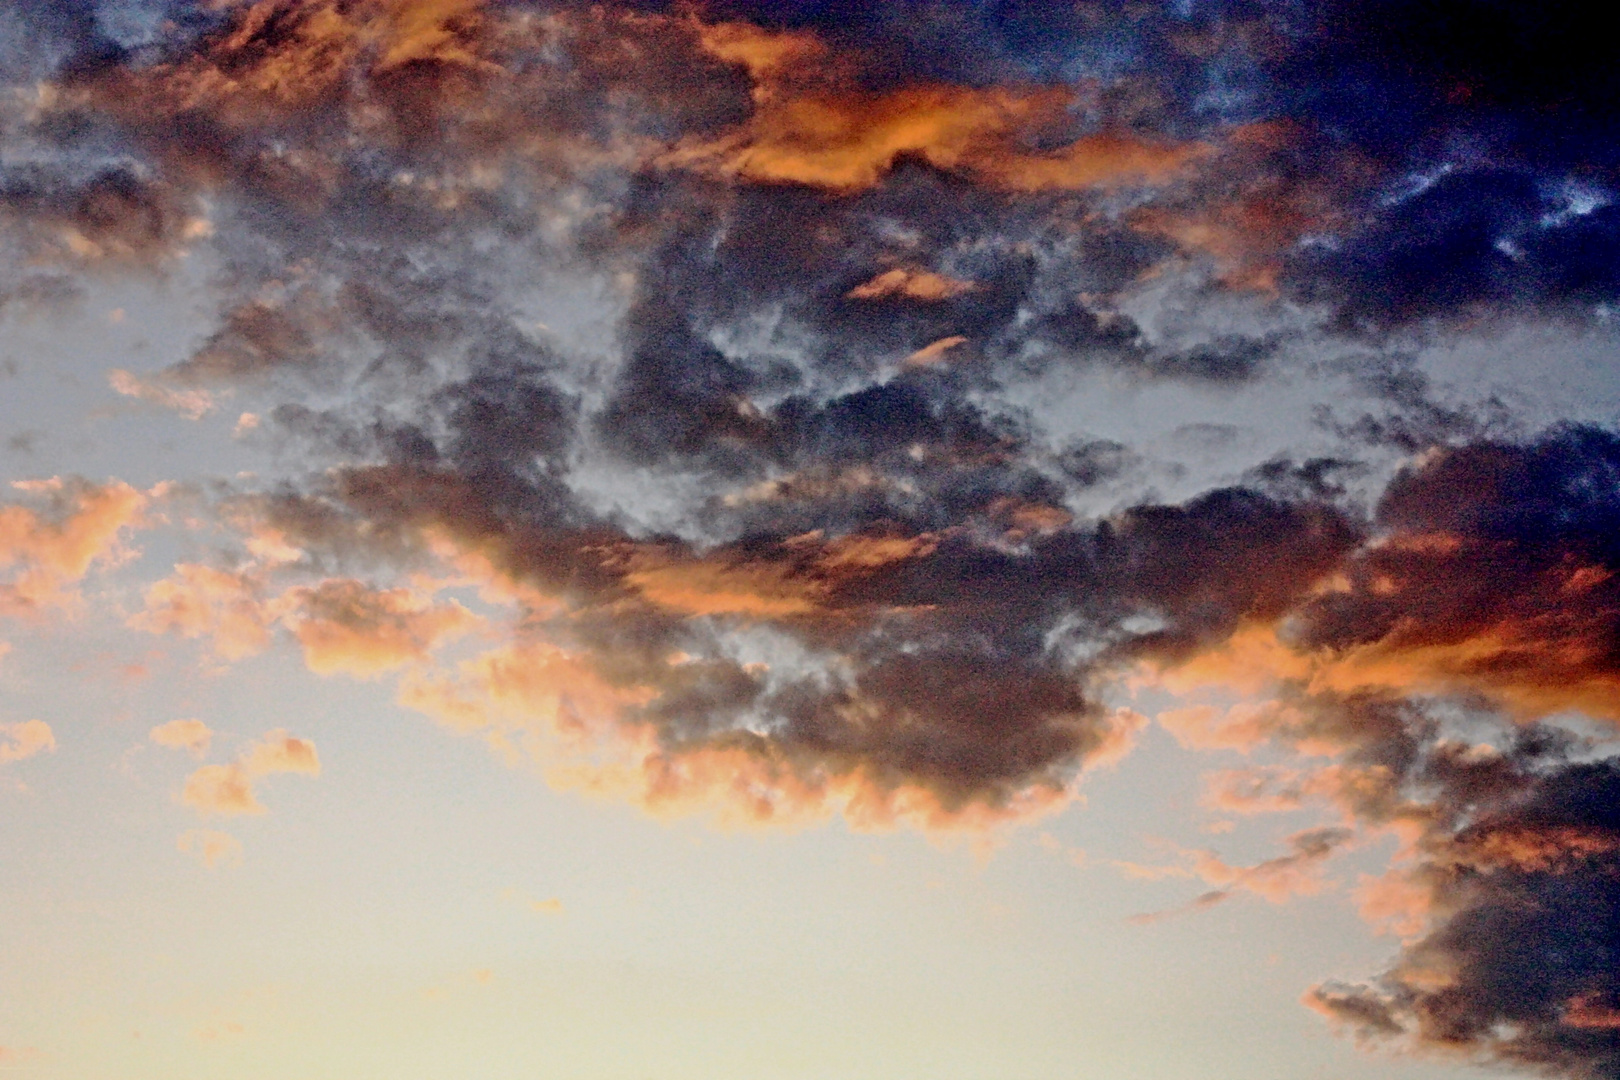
(190, 735)
(344, 626)
(192, 404)
(1531, 878)
(799, 388)
(1493, 575)
(279, 752)
(24, 739)
(46, 551)
(221, 789)
(200, 601)
(1298, 873)
(227, 790)
(912, 284)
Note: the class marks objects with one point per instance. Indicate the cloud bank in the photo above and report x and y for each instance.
(712, 401)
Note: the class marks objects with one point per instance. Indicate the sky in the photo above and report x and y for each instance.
(927, 540)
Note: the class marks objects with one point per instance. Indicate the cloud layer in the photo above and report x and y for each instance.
(713, 402)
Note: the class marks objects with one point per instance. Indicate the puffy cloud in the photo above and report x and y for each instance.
(24, 739)
(44, 551)
(279, 752)
(227, 789)
(199, 601)
(191, 735)
(221, 789)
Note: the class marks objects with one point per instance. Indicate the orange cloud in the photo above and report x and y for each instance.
(227, 790)
(845, 139)
(763, 52)
(1278, 880)
(744, 782)
(285, 55)
(1246, 233)
(934, 352)
(863, 551)
(49, 550)
(536, 701)
(192, 735)
(345, 626)
(1239, 727)
(279, 752)
(1534, 667)
(1397, 902)
(25, 739)
(1590, 1014)
(1537, 849)
(1118, 740)
(711, 587)
(912, 284)
(526, 687)
(199, 601)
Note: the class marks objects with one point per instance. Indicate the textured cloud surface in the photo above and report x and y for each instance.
(720, 404)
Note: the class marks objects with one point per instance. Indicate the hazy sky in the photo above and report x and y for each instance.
(922, 540)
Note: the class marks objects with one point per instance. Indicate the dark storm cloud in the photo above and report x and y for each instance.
(1498, 572)
(1523, 874)
(1507, 892)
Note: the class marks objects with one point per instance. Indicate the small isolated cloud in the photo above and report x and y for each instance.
(213, 848)
(280, 752)
(25, 739)
(227, 790)
(924, 285)
(190, 735)
(190, 403)
(934, 352)
(221, 789)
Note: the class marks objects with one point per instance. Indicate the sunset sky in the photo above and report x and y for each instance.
(808, 540)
